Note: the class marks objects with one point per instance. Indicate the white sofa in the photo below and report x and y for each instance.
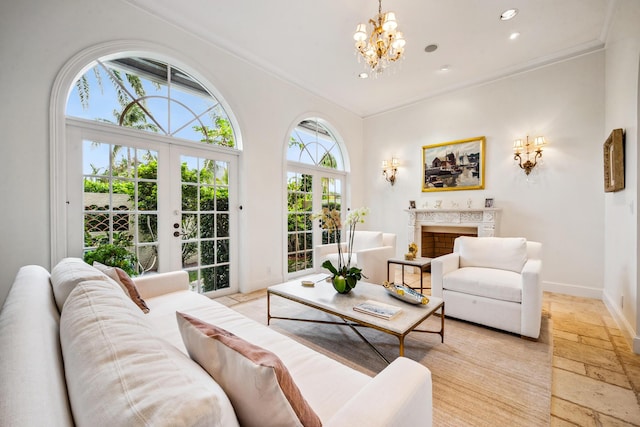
(493, 281)
(101, 361)
(371, 250)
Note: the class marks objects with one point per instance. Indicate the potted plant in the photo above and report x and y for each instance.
(344, 275)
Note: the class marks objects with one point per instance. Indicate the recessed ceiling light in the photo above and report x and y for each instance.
(514, 36)
(363, 76)
(431, 48)
(508, 14)
(445, 68)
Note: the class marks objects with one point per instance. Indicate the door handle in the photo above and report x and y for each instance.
(178, 233)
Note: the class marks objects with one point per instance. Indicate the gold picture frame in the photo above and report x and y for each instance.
(613, 151)
(454, 165)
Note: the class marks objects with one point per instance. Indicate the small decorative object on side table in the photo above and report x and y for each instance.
(413, 250)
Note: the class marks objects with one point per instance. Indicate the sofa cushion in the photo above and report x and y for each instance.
(120, 373)
(67, 274)
(121, 277)
(502, 253)
(486, 282)
(366, 240)
(318, 377)
(257, 382)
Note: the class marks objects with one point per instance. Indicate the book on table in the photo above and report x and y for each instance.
(378, 309)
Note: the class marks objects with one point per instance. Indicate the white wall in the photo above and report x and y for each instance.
(561, 205)
(37, 38)
(621, 217)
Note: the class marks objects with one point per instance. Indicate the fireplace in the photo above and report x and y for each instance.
(447, 224)
(437, 241)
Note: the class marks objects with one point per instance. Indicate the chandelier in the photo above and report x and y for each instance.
(384, 46)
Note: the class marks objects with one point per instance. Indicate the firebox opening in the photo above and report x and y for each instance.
(438, 240)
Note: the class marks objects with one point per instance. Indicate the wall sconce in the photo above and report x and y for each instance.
(389, 169)
(529, 148)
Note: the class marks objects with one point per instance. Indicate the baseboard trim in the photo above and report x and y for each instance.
(574, 290)
(630, 335)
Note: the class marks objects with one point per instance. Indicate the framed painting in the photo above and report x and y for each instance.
(454, 165)
(613, 150)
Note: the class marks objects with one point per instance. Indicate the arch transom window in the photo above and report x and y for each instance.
(153, 96)
(313, 143)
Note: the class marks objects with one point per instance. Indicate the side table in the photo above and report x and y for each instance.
(418, 262)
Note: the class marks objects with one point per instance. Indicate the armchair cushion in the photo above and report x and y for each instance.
(485, 282)
(366, 240)
(502, 253)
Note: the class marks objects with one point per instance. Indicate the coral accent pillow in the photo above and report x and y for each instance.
(258, 384)
(126, 283)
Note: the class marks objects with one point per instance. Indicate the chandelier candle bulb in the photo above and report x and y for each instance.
(361, 33)
(390, 23)
(518, 145)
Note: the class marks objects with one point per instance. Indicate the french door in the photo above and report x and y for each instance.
(309, 190)
(201, 223)
(168, 203)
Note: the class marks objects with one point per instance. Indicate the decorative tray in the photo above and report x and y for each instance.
(405, 293)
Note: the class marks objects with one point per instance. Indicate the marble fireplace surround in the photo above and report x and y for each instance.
(455, 220)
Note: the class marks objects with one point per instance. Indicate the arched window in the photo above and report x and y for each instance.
(315, 179)
(312, 143)
(158, 171)
(150, 95)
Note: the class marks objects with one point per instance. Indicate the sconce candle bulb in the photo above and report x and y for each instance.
(389, 169)
(529, 148)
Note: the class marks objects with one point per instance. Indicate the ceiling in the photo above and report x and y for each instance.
(309, 42)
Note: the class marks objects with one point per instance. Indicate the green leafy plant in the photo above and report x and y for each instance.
(114, 255)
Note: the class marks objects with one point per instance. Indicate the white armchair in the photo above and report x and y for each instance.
(493, 281)
(371, 250)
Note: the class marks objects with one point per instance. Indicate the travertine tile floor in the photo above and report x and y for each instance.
(596, 376)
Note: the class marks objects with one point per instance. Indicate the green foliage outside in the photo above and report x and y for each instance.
(114, 256)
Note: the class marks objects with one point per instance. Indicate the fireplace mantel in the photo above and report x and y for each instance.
(484, 220)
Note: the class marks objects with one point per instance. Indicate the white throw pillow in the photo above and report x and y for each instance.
(257, 382)
(67, 274)
(366, 240)
(119, 373)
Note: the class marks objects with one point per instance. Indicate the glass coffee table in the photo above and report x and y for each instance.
(323, 297)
